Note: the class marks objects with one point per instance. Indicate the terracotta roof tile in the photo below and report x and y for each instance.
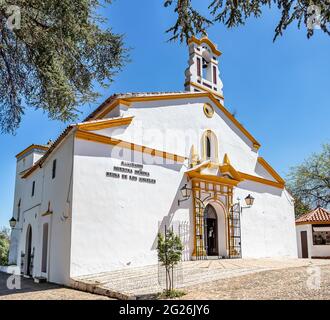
(317, 215)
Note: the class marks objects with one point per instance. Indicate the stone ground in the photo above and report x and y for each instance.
(215, 279)
(42, 291)
(142, 283)
(286, 284)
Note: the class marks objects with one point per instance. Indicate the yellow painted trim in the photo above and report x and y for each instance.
(111, 106)
(208, 110)
(312, 222)
(30, 171)
(201, 87)
(229, 168)
(208, 177)
(47, 213)
(107, 123)
(207, 41)
(85, 135)
(32, 146)
(160, 97)
(226, 159)
(209, 95)
(194, 156)
(223, 169)
(214, 141)
(268, 167)
(124, 102)
(255, 143)
(261, 180)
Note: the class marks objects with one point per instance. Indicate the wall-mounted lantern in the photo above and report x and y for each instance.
(12, 222)
(185, 193)
(249, 200)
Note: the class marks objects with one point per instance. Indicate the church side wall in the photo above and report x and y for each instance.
(115, 221)
(57, 192)
(268, 227)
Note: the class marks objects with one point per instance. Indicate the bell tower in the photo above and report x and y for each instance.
(202, 74)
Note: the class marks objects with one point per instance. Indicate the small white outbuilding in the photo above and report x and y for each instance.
(313, 234)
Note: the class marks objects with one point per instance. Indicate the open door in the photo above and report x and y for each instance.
(211, 231)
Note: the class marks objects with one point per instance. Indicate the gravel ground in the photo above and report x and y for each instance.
(43, 291)
(290, 283)
(287, 284)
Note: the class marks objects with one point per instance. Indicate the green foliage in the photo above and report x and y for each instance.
(171, 294)
(189, 21)
(53, 60)
(4, 246)
(301, 207)
(170, 250)
(233, 13)
(309, 182)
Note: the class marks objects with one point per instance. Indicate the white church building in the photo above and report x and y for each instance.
(95, 199)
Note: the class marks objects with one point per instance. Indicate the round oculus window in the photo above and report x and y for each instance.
(208, 110)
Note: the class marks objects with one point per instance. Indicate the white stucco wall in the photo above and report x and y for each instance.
(268, 227)
(176, 125)
(313, 250)
(115, 222)
(57, 192)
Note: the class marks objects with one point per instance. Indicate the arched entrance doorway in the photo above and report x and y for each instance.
(211, 231)
(44, 248)
(215, 230)
(28, 251)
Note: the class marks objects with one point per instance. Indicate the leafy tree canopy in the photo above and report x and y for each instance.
(309, 182)
(233, 13)
(51, 52)
(4, 246)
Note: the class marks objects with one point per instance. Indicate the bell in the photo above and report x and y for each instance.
(205, 64)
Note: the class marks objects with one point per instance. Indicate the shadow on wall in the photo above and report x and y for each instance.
(251, 186)
(181, 228)
(123, 154)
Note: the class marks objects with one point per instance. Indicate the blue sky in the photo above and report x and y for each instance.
(280, 91)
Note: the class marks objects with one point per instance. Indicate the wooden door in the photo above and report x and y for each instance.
(304, 244)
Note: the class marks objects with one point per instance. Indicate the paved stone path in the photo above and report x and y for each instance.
(143, 282)
(286, 284)
(215, 279)
(43, 291)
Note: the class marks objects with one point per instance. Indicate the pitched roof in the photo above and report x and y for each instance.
(113, 100)
(127, 95)
(91, 118)
(319, 215)
(31, 147)
(48, 152)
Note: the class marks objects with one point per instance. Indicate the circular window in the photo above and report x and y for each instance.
(208, 110)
